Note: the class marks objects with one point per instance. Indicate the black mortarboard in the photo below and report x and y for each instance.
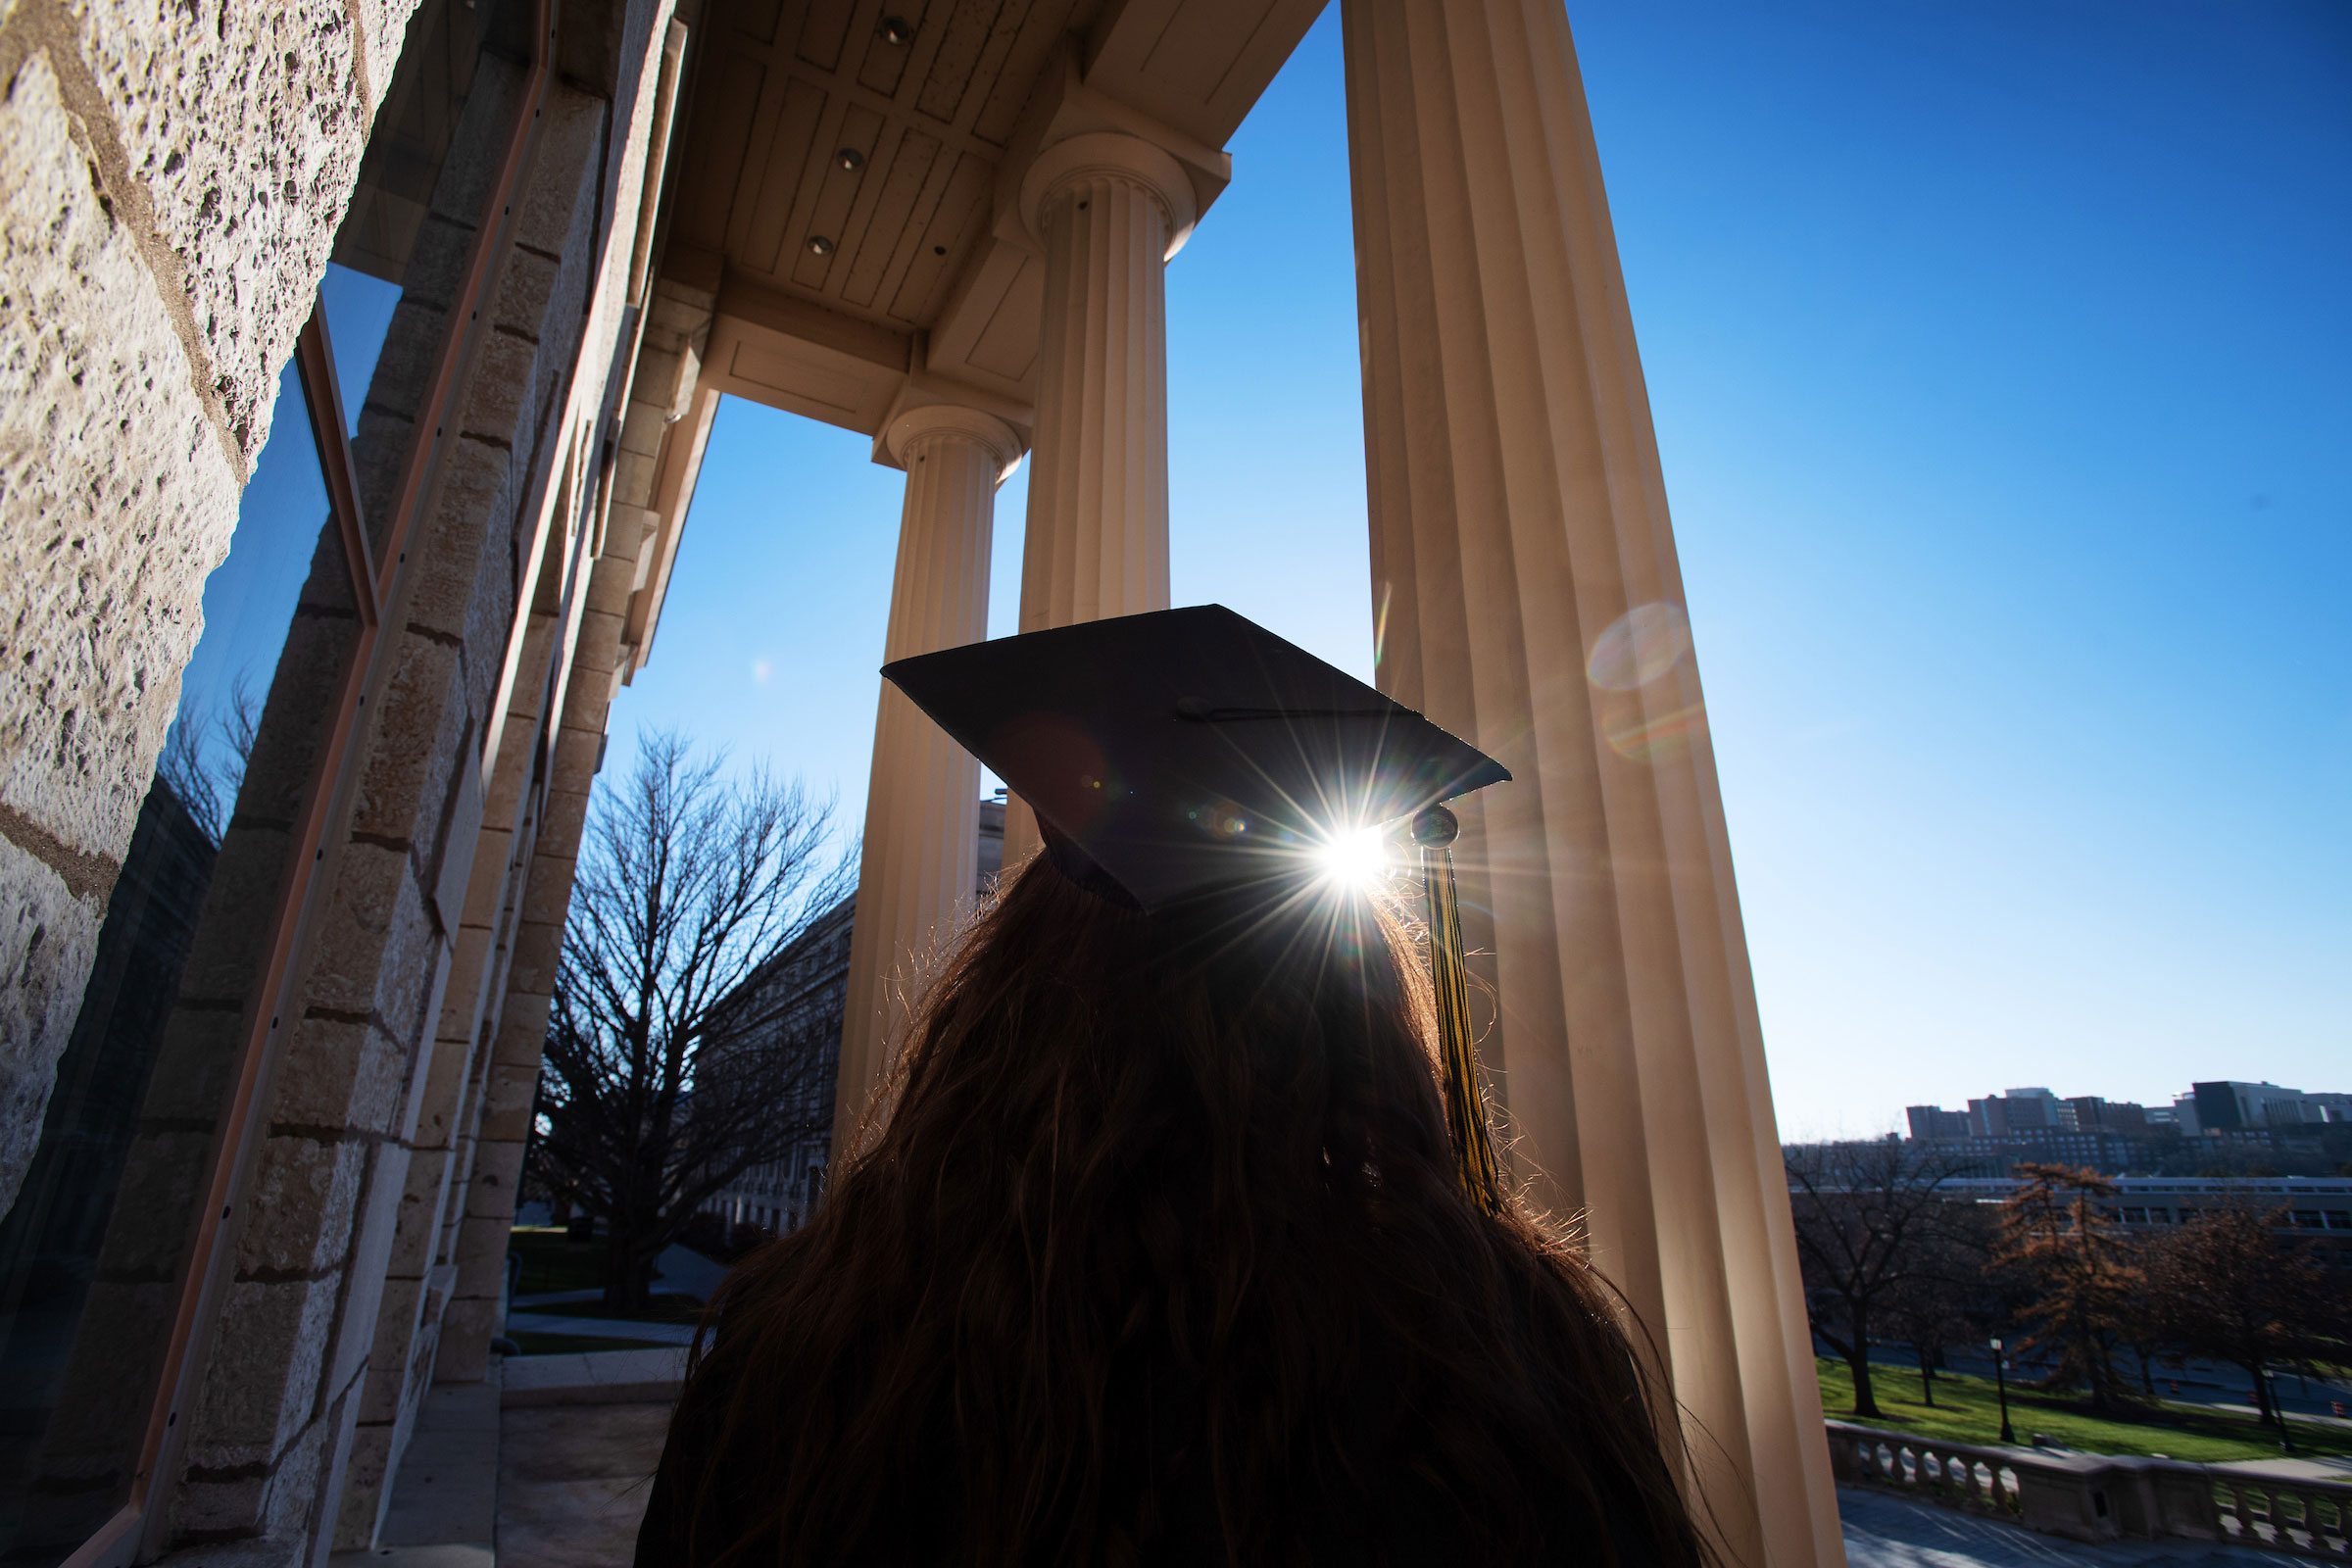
(1186, 750)
(1172, 753)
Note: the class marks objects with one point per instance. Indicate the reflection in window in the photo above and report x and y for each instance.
(94, 1246)
(246, 602)
(358, 314)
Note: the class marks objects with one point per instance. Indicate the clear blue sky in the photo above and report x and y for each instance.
(2001, 358)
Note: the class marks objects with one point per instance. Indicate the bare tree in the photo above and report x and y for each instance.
(205, 755)
(2226, 1286)
(667, 1072)
(1940, 1299)
(1872, 1220)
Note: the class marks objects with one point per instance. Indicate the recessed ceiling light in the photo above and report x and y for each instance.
(850, 158)
(820, 245)
(897, 30)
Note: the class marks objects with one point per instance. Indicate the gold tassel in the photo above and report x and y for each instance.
(1435, 829)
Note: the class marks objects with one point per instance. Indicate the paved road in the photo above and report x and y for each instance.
(1886, 1532)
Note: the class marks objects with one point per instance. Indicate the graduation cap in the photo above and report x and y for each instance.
(1172, 755)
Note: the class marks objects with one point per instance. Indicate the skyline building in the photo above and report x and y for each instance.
(2267, 1126)
(813, 973)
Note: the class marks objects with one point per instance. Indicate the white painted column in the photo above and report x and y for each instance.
(1525, 577)
(1109, 209)
(923, 806)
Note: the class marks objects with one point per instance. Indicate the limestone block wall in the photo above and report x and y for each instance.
(522, 1026)
(662, 442)
(170, 178)
(665, 424)
(553, 542)
(419, 1275)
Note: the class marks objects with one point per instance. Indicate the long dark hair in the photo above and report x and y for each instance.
(1152, 1249)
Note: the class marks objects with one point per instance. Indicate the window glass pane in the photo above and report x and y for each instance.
(425, 183)
(246, 602)
(95, 1249)
(358, 314)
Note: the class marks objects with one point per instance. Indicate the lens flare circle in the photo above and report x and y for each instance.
(1640, 646)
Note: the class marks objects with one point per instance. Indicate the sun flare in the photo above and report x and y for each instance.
(1355, 858)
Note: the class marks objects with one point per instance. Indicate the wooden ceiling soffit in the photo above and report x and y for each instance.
(780, 350)
(987, 332)
(922, 239)
(789, 86)
(1196, 64)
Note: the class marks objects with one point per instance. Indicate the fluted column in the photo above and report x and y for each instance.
(1526, 584)
(1109, 209)
(923, 806)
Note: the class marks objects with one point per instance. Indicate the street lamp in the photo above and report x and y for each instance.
(2001, 1386)
(2270, 1381)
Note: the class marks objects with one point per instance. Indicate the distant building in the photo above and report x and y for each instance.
(2104, 1151)
(2091, 1113)
(2308, 1208)
(2217, 1127)
(2227, 1105)
(1935, 1124)
(805, 987)
(2016, 1110)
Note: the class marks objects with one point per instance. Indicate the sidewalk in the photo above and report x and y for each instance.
(594, 1377)
(579, 1439)
(547, 1464)
(572, 1483)
(1889, 1531)
(444, 1507)
(2321, 1467)
(600, 1328)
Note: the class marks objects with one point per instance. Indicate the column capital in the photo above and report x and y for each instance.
(956, 423)
(1062, 164)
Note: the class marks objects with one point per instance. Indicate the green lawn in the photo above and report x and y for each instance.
(1967, 1410)
(552, 1261)
(534, 1342)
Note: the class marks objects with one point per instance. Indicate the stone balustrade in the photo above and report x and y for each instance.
(2091, 1496)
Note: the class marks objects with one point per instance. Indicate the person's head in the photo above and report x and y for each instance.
(1155, 1201)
